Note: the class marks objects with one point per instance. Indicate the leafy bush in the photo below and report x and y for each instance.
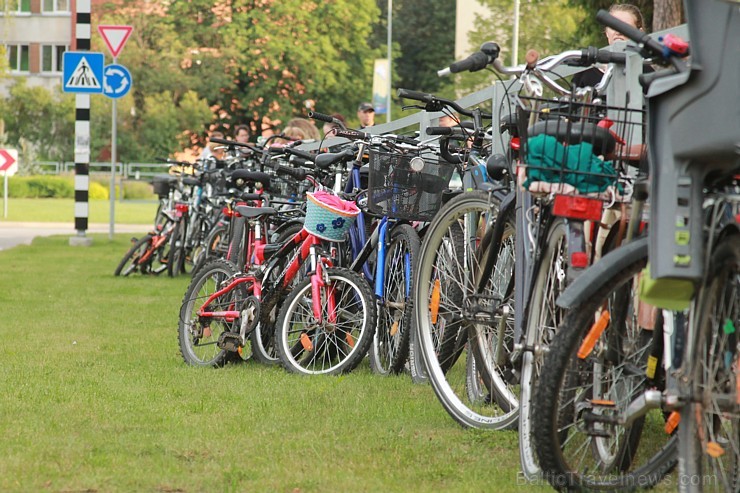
(41, 187)
(137, 190)
(97, 191)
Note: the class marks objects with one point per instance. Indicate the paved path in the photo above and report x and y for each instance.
(20, 233)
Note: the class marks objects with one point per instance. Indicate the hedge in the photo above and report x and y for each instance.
(62, 187)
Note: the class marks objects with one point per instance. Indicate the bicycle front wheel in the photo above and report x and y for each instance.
(709, 434)
(543, 317)
(340, 339)
(132, 260)
(444, 290)
(197, 337)
(390, 348)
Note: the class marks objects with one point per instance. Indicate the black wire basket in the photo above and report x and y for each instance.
(406, 186)
(578, 148)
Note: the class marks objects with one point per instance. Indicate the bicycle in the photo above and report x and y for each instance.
(224, 294)
(150, 254)
(404, 189)
(693, 268)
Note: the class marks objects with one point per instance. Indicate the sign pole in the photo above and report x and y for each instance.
(113, 167)
(5, 196)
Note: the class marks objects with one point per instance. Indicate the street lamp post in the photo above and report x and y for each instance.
(390, 61)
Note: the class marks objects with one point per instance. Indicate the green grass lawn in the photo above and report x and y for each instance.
(63, 210)
(96, 398)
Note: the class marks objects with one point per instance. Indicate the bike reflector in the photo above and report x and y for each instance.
(182, 207)
(577, 207)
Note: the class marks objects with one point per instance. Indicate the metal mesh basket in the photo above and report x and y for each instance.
(406, 186)
(577, 148)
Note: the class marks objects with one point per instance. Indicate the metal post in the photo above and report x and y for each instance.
(5, 195)
(390, 59)
(515, 35)
(113, 170)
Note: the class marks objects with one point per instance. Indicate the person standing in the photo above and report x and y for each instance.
(366, 115)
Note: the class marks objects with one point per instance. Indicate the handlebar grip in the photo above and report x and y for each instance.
(297, 173)
(639, 37)
(476, 61)
(351, 134)
(416, 95)
(439, 130)
(606, 56)
(302, 154)
(320, 116)
(299, 161)
(591, 55)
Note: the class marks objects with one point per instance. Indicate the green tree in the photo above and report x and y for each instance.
(37, 115)
(546, 26)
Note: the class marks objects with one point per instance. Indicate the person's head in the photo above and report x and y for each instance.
(303, 127)
(627, 13)
(216, 149)
(241, 134)
(329, 126)
(448, 121)
(366, 114)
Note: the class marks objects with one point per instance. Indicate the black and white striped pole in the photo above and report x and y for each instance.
(82, 132)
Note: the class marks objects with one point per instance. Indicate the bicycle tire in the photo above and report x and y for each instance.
(450, 252)
(129, 264)
(310, 348)
(712, 414)
(615, 370)
(390, 348)
(191, 330)
(542, 321)
(176, 264)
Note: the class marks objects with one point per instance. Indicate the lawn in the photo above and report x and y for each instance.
(63, 210)
(97, 398)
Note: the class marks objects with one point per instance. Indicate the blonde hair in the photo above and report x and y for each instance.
(306, 128)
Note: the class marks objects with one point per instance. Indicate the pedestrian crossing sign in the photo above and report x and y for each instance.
(83, 72)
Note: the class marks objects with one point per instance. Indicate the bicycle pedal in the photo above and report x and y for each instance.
(230, 341)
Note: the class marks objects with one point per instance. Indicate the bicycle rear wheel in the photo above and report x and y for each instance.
(579, 444)
(444, 288)
(176, 263)
(709, 435)
(390, 348)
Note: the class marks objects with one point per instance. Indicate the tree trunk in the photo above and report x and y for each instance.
(667, 14)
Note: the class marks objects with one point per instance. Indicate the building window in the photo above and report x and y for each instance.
(55, 6)
(51, 58)
(20, 6)
(18, 57)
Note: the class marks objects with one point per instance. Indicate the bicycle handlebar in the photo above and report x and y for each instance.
(434, 103)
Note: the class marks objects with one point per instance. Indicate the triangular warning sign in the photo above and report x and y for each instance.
(83, 77)
(115, 37)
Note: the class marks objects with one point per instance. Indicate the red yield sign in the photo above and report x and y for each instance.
(8, 161)
(115, 37)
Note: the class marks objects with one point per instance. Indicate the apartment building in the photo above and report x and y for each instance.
(35, 34)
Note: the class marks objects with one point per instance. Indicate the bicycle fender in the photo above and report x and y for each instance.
(599, 274)
(288, 224)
